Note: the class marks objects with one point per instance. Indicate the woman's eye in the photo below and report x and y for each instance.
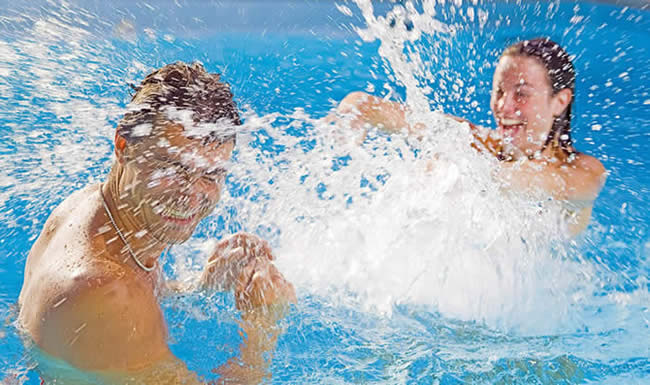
(520, 93)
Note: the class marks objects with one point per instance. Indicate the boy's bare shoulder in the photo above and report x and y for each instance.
(77, 200)
(109, 306)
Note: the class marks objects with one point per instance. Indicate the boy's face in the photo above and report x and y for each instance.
(173, 181)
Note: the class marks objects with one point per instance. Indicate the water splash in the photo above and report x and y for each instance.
(398, 220)
(386, 226)
(389, 222)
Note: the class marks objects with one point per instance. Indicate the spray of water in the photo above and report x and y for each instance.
(391, 221)
(397, 220)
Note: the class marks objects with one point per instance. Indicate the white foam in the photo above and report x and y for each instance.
(441, 232)
(222, 127)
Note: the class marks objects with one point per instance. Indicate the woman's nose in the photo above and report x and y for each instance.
(507, 104)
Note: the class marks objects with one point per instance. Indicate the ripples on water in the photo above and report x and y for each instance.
(409, 270)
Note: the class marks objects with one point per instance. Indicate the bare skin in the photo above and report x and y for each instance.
(86, 301)
(524, 106)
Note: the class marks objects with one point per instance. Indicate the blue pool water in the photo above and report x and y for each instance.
(528, 312)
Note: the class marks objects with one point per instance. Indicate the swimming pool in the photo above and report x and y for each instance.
(394, 286)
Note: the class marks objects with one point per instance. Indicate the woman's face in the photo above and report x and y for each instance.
(523, 103)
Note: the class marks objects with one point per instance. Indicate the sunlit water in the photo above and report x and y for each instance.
(412, 263)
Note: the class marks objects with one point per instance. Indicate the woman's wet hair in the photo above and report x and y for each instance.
(186, 87)
(561, 75)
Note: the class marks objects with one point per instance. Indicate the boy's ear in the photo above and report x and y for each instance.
(120, 146)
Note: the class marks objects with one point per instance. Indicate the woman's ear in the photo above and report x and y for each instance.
(561, 101)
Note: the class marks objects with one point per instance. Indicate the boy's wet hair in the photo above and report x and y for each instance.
(561, 75)
(183, 87)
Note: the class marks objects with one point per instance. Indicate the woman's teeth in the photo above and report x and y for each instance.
(510, 122)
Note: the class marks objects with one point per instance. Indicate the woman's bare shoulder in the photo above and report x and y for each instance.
(589, 164)
(585, 176)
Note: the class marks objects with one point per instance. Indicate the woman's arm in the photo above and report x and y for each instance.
(581, 180)
(370, 111)
(577, 184)
(367, 110)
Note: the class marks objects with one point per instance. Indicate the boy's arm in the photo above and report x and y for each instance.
(263, 296)
(113, 329)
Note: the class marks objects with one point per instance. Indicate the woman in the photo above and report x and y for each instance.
(533, 89)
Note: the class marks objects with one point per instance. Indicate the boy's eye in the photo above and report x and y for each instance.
(170, 164)
(215, 174)
(182, 167)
